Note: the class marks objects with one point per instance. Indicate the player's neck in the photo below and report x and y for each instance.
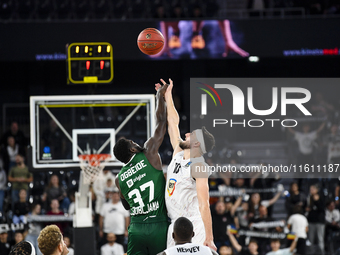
(191, 153)
(182, 242)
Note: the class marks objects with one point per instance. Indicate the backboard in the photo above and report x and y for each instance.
(63, 127)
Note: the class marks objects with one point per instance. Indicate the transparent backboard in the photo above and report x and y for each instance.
(63, 127)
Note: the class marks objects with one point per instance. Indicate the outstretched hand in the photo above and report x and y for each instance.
(210, 244)
(168, 89)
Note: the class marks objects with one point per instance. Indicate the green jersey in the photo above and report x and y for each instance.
(143, 187)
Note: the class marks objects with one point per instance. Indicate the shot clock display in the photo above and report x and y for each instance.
(89, 63)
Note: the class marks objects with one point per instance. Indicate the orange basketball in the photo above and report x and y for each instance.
(150, 41)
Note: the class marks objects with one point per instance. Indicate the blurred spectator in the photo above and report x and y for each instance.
(222, 217)
(332, 220)
(255, 202)
(111, 247)
(72, 207)
(5, 245)
(263, 243)
(55, 140)
(306, 140)
(242, 219)
(320, 107)
(195, 11)
(10, 152)
(18, 237)
(242, 250)
(160, 12)
(20, 177)
(34, 228)
(18, 135)
(67, 241)
(114, 219)
(315, 6)
(177, 12)
(55, 211)
(3, 187)
(275, 245)
(295, 198)
(225, 250)
(99, 187)
(55, 191)
(333, 138)
(257, 6)
(298, 224)
(333, 7)
(21, 208)
(316, 217)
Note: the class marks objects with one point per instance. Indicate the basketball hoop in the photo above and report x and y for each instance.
(92, 165)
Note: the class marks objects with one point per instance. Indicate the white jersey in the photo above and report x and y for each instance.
(189, 248)
(181, 196)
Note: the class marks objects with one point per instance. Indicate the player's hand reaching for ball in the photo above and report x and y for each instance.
(168, 90)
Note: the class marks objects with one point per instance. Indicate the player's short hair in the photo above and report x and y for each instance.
(274, 240)
(183, 228)
(49, 239)
(122, 151)
(209, 139)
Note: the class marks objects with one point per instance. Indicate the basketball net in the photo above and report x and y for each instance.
(92, 166)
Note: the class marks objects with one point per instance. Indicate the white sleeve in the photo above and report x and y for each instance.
(265, 203)
(102, 250)
(286, 251)
(289, 220)
(102, 211)
(121, 250)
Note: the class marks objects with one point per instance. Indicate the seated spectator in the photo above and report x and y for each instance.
(18, 237)
(5, 245)
(18, 135)
(56, 191)
(242, 219)
(21, 208)
(160, 12)
(3, 187)
(275, 245)
(10, 152)
(72, 207)
(20, 177)
(34, 228)
(298, 224)
(225, 250)
(242, 250)
(111, 247)
(56, 211)
(255, 202)
(320, 107)
(316, 217)
(295, 198)
(177, 12)
(332, 220)
(333, 7)
(67, 241)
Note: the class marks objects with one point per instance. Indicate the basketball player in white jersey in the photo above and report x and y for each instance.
(187, 193)
(183, 234)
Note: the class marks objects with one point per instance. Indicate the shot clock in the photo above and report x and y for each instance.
(89, 63)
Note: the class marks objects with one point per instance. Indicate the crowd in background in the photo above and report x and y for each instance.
(136, 9)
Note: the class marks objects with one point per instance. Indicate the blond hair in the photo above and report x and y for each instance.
(49, 239)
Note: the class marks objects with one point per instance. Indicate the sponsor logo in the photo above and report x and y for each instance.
(129, 183)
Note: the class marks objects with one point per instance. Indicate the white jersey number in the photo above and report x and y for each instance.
(135, 192)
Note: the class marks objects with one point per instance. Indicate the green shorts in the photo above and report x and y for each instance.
(147, 238)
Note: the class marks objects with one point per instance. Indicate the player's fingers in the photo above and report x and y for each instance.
(163, 81)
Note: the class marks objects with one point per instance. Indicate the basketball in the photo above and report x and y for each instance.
(150, 41)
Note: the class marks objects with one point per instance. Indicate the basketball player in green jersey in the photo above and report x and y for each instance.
(141, 183)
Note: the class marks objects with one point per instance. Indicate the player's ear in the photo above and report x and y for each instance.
(173, 235)
(193, 234)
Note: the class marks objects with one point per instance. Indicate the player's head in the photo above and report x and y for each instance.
(183, 231)
(199, 139)
(111, 238)
(253, 246)
(23, 248)
(275, 244)
(124, 149)
(50, 241)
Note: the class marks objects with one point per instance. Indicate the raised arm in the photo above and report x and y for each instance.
(153, 143)
(321, 127)
(172, 118)
(233, 241)
(277, 196)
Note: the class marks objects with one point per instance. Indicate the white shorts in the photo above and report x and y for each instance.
(199, 231)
